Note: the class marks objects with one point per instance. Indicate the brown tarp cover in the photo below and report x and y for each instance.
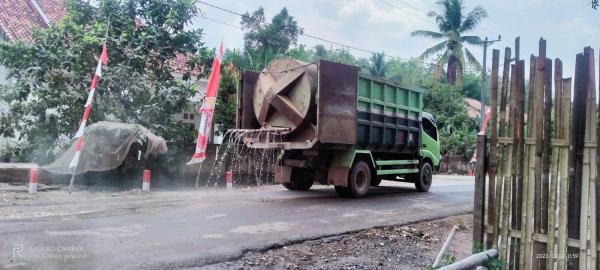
(105, 147)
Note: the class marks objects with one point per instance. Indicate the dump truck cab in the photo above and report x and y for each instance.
(430, 144)
(337, 126)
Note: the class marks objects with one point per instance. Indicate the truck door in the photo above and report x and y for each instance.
(430, 146)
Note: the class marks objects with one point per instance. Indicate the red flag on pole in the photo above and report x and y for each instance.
(482, 131)
(207, 109)
(88, 107)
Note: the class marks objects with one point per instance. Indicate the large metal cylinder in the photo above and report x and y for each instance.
(284, 94)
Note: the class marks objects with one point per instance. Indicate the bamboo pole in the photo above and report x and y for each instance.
(507, 186)
(518, 141)
(493, 238)
(596, 207)
(547, 145)
(479, 196)
(527, 206)
(589, 171)
(538, 113)
(518, 146)
(554, 165)
(576, 156)
(502, 133)
(565, 116)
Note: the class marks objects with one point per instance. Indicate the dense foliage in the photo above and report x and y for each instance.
(52, 75)
(224, 115)
(457, 131)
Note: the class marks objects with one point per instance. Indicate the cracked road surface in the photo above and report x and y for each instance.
(189, 229)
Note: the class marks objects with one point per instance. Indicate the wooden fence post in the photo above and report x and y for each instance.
(527, 215)
(479, 200)
(597, 188)
(589, 173)
(518, 159)
(492, 238)
(502, 132)
(576, 157)
(565, 136)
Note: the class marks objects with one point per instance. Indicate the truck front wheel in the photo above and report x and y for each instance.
(299, 181)
(424, 177)
(359, 180)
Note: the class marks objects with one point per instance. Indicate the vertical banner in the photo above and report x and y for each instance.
(207, 109)
(482, 131)
(88, 107)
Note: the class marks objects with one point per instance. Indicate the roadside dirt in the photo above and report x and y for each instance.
(412, 246)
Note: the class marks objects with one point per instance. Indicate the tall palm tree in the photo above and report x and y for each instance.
(378, 65)
(453, 24)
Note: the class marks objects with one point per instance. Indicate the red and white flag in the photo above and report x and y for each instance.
(207, 109)
(88, 107)
(482, 131)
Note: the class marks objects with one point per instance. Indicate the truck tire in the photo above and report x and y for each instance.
(299, 181)
(423, 179)
(359, 179)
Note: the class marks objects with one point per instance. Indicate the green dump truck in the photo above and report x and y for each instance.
(338, 127)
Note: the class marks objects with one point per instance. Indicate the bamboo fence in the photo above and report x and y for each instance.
(538, 206)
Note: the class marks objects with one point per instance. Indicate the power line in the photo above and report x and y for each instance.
(302, 33)
(220, 8)
(221, 22)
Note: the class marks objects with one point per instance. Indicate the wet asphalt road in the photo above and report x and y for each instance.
(190, 229)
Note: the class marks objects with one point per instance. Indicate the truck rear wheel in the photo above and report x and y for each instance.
(359, 180)
(424, 178)
(299, 181)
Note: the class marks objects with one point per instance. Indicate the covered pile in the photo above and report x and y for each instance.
(106, 146)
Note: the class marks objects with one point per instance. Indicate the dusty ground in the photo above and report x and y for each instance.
(412, 246)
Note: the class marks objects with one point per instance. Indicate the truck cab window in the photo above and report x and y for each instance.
(430, 128)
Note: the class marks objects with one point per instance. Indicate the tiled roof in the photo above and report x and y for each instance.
(180, 65)
(17, 17)
(473, 107)
(54, 9)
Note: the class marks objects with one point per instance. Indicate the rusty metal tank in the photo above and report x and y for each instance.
(327, 105)
(284, 95)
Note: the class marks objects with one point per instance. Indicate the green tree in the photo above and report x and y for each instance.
(378, 65)
(276, 36)
(54, 72)
(407, 72)
(457, 131)
(453, 24)
(226, 99)
(301, 53)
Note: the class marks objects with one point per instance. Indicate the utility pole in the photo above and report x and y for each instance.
(486, 42)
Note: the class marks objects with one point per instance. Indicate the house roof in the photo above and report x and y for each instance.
(19, 16)
(473, 107)
(180, 65)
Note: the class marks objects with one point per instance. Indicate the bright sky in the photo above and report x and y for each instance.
(385, 25)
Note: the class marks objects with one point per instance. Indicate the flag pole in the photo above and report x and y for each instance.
(206, 113)
(198, 174)
(88, 106)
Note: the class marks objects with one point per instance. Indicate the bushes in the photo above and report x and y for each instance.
(457, 131)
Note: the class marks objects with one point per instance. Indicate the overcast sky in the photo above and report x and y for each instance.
(567, 25)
